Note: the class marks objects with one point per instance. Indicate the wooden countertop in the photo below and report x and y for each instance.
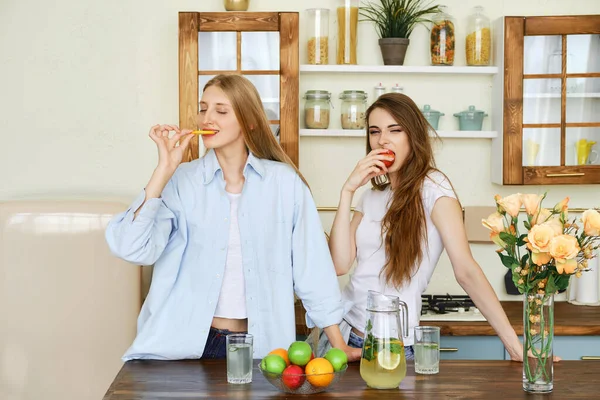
(207, 379)
(568, 320)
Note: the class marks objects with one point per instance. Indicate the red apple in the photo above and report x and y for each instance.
(388, 163)
(293, 377)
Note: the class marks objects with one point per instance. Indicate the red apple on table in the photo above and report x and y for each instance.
(293, 377)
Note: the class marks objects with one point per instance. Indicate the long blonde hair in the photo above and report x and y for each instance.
(404, 225)
(250, 113)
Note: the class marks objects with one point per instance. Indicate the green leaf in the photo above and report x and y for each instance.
(521, 241)
(395, 348)
(369, 325)
(508, 261)
(551, 285)
(368, 347)
(508, 238)
(562, 281)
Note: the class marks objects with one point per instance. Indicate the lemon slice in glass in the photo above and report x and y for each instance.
(388, 360)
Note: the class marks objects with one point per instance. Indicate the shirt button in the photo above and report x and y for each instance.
(210, 302)
(225, 219)
(217, 275)
(222, 248)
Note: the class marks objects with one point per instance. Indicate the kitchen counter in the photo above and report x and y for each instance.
(568, 320)
(457, 379)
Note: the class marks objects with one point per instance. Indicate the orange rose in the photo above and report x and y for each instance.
(567, 267)
(564, 249)
(555, 224)
(562, 206)
(511, 204)
(495, 222)
(531, 202)
(540, 259)
(591, 222)
(495, 237)
(542, 216)
(539, 238)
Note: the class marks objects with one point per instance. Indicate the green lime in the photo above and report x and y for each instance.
(299, 353)
(337, 358)
(273, 363)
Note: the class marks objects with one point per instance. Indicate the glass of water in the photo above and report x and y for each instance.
(427, 349)
(239, 358)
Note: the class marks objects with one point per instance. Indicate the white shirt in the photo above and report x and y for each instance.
(232, 299)
(371, 257)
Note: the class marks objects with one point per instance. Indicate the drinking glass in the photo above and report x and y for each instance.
(239, 358)
(427, 350)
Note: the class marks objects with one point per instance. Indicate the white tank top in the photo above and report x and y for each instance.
(232, 299)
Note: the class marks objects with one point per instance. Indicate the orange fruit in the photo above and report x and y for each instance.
(319, 372)
(283, 354)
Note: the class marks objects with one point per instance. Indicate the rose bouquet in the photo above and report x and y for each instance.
(542, 258)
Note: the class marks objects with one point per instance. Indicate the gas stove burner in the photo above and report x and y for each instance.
(443, 304)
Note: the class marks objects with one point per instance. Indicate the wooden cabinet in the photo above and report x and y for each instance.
(574, 347)
(471, 348)
(546, 101)
(263, 46)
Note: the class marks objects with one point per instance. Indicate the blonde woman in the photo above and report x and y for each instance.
(231, 235)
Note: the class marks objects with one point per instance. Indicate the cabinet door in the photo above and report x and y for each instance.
(552, 100)
(574, 347)
(262, 46)
(471, 348)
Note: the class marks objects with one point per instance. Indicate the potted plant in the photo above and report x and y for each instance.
(395, 21)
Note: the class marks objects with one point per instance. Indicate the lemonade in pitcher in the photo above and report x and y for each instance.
(383, 362)
(383, 365)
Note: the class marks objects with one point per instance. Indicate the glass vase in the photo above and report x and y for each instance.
(538, 338)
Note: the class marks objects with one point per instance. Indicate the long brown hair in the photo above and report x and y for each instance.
(404, 225)
(250, 113)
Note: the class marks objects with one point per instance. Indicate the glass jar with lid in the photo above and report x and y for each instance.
(479, 38)
(316, 109)
(442, 40)
(318, 36)
(354, 106)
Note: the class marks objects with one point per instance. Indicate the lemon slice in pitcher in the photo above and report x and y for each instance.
(388, 360)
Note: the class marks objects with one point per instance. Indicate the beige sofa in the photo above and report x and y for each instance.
(68, 308)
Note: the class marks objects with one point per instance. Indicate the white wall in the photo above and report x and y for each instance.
(81, 83)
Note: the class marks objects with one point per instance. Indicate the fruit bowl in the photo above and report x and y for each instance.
(303, 383)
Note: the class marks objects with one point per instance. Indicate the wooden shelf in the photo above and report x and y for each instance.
(395, 69)
(362, 133)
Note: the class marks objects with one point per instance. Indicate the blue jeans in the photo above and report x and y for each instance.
(216, 346)
(357, 342)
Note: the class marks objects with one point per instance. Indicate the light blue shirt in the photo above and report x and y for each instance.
(184, 233)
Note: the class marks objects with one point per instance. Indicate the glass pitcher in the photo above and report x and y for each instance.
(383, 363)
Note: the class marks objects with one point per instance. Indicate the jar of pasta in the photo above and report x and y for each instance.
(354, 106)
(479, 38)
(318, 36)
(316, 109)
(442, 40)
(347, 22)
